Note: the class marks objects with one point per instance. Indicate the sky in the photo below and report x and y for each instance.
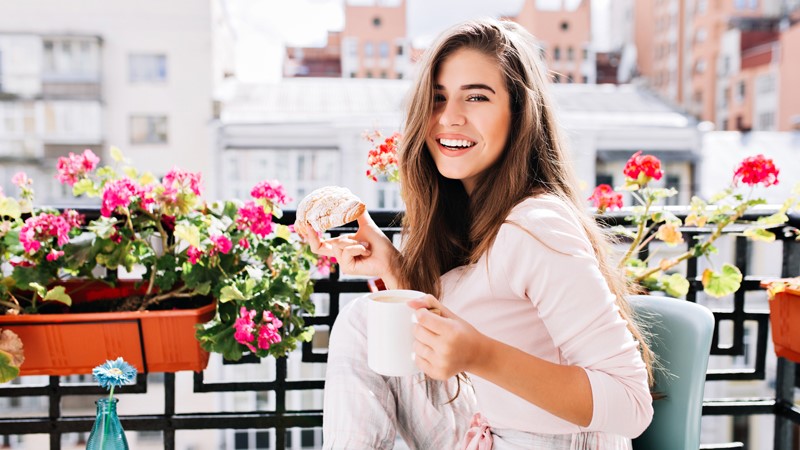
(263, 27)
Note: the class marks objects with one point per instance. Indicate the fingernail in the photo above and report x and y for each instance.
(365, 244)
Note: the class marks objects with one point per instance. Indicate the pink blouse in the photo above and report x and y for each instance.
(540, 289)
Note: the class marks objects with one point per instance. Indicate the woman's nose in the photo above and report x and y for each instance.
(452, 115)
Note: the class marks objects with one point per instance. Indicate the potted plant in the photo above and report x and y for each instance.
(650, 220)
(784, 314)
(246, 279)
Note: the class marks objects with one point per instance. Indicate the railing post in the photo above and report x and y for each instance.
(784, 398)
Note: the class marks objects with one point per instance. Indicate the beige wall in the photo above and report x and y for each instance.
(360, 30)
(789, 88)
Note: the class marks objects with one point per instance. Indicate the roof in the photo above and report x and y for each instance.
(330, 99)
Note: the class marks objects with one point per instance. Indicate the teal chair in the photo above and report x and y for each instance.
(681, 339)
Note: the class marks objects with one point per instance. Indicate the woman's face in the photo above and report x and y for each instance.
(471, 116)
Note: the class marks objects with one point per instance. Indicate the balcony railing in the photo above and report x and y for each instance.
(280, 420)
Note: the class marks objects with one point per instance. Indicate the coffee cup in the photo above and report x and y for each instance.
(390, 326)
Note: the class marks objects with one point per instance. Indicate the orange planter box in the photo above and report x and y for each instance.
(75, 343)
(784, 310)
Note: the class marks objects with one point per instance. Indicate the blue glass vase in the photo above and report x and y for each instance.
(107, 432)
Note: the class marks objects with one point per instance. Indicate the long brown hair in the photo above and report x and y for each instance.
(443, 226)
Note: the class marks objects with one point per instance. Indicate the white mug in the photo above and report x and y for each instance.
(390, 326)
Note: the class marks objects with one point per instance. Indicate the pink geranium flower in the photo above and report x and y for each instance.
(222, 244)
(268, 332)
(272, 191)
(180, 180)
(20, 179)
(121, 193)
(604, 198)
(74, 167)
(42, 228)
(245, 328)
(194, 254)
(253, 217)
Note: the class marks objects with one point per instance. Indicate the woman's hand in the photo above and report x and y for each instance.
(367, 252)
(445, 344)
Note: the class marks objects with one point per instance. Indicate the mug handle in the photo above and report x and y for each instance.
(376, 284)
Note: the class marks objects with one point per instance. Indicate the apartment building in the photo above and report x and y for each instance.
(375, 40)
(565, 35)
(136, 75)
(723, 62)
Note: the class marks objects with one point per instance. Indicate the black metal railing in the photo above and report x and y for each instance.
(279, 417)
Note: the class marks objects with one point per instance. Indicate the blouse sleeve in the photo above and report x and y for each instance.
(549, 259)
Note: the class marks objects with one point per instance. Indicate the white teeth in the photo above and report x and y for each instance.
(456, 142)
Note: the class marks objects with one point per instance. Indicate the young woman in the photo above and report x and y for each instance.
(496, 233)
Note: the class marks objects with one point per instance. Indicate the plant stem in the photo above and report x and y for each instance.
(11, 305)
(639, 232)
(178, 293)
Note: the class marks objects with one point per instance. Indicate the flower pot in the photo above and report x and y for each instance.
(784, 310)
(74, 343)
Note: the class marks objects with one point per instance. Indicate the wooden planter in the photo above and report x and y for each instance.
(784, 310)
(75, 343)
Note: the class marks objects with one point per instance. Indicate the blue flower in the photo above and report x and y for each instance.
(114, 373)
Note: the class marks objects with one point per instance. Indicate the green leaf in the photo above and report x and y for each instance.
(8, 371)
(9, 207)
(675, 285)
(85, 186)
(776, 219)
(116, 154)
(229, 293)
(188, 233)
(103, 227)
(38, 288)
(202, 288)
(759, 234)
(720, 195)
(58, 294)
(720, 284)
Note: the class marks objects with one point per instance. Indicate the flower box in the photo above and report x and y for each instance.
(784, 307)
(74, 343)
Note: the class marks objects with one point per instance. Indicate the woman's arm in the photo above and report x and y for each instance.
(448, 345)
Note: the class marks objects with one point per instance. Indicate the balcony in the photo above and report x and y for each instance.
(283, 397)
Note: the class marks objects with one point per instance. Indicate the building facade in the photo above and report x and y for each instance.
(137, 76)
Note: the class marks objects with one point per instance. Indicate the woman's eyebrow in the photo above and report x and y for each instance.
(468, 87)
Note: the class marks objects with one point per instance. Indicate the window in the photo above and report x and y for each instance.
(740, 92)
(700, 66)
(369, 74)
(399, 50)
(557, 53)
(383, 49)
(368, 49)
(557, 78)
(672, 181)
(376, 22)
(564, 26)
(383, 74)
(585, 54)
(147, 68)
(251, 439)
(148, 130)
(765, 84)
(1, 71)
(766, 121)
(570, 54)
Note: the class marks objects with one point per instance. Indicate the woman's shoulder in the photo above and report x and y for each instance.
(551, 221)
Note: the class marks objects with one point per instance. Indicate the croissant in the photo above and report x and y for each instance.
(327, 207)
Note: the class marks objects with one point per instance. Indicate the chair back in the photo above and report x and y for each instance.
(681, 340)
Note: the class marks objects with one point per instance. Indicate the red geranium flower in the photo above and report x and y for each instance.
(647, 164)
(604, 198)
(756, 169)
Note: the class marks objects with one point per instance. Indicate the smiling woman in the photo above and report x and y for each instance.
(527, 306)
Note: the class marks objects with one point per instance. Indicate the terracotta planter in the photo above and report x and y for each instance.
(74, 343)
(784, 310)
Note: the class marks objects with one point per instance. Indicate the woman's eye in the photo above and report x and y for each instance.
(438, 98)
(477, 98)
